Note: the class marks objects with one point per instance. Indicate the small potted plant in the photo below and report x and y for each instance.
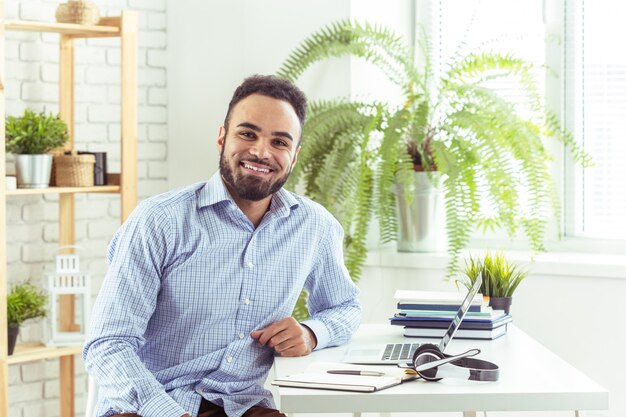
(500, 278)
(25, 302)
(30, 137)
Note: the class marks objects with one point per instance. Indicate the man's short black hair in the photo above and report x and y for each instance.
(271, 86)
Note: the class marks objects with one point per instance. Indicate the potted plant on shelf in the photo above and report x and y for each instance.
(25, 302)
(450, 131)
(30, 137)
(500, 278)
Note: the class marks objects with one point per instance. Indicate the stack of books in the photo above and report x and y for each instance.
(429, 313)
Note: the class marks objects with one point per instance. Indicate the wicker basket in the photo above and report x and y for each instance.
(78, 11)
(55, 152)
(74, 170)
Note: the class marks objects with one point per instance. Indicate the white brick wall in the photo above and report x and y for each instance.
(31, 69)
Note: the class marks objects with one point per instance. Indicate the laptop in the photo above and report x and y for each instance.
(402, 353)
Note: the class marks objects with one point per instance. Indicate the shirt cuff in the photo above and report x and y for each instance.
(321, 333)
(161, 406)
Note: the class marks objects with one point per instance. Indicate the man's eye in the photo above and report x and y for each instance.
(280, 142)
(248, 134)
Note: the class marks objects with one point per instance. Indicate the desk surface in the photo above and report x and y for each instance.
(531, 378)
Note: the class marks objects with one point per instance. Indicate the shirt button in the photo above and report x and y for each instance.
(241, 336)
(246, 301)
(250, 264)
(229, 359)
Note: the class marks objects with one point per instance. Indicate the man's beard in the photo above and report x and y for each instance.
(250, 187)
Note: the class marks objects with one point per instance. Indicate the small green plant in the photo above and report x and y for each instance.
(500, 277)
(34, 133)
(25, 302)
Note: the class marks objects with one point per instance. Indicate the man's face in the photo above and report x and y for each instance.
(259, 147)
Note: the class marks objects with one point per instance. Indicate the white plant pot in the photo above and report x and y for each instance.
(421, 221)
(33, 171)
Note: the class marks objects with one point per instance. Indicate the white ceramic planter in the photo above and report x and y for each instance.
(33, 171)
(421, 222)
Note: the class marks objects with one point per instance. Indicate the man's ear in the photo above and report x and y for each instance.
(295, 157)
(221, 138)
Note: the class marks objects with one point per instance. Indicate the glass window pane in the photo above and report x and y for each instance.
(596, 96)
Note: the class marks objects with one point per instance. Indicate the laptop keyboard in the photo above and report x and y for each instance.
(399, 351)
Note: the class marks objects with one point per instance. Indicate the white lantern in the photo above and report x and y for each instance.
(68, 328)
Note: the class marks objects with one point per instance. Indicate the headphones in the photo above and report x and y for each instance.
(428, 361)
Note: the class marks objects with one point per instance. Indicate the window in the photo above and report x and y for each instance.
(515, 27)
(579, 40)
(595, 110)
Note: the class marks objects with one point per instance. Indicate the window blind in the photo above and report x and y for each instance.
(595, 100)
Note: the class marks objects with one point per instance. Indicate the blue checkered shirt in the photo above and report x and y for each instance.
(189, 278)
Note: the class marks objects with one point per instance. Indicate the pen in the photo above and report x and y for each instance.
(351, 372)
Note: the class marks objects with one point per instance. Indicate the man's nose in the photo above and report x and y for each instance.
(261, 149)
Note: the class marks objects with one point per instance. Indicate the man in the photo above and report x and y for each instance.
(202, 281)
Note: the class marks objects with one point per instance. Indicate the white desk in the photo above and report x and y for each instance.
(531, 379)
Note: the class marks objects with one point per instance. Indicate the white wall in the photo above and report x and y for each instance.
(366, 80)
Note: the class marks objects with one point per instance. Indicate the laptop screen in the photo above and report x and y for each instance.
(460, 313)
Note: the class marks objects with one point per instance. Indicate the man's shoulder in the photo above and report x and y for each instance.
(171, 201)
(308, 207)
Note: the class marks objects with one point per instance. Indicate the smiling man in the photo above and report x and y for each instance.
(202, 281)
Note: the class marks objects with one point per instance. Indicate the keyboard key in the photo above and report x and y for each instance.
(387, 352)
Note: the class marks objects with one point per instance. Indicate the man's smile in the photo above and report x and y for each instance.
(256, 169)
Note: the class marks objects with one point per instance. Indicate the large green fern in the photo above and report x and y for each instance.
(354, 153)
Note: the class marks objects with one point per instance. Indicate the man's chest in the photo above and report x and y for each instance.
(246, 275)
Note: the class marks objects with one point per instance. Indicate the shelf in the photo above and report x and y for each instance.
(28, 352)
(62, 28)
(123, 183)
(65, 190)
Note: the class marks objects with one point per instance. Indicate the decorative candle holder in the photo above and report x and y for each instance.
(68, 280)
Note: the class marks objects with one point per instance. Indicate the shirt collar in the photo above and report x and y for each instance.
(214, 191)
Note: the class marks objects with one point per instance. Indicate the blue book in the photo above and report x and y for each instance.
(435, 307)
(443, 323)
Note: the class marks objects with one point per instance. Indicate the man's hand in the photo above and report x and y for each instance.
(287, 337)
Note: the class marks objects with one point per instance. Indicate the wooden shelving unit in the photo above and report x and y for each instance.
(28, 352)
(66, 190)
(123, 27)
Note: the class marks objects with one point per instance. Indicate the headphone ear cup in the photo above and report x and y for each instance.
(424, 354)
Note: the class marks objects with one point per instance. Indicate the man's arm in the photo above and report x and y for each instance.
(333, 297)
(333, 304)
(121, 313)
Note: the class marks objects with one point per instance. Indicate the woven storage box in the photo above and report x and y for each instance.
(55, 152)
(79, 12)
(74, 170)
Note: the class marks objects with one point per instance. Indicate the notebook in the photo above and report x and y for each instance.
(402, 353)
(316, 376)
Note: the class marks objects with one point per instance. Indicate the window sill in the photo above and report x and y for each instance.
(548, 264)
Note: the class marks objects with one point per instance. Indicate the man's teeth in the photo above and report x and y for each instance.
(256, 169)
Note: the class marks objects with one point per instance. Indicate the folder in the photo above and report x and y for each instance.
(317, 377)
